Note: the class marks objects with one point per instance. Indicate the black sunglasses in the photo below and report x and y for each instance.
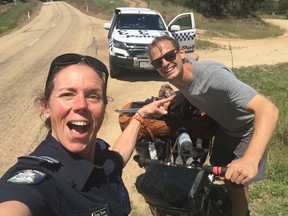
(73, 58)
(169, 56)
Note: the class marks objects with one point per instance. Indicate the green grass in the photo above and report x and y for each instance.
(101, 8)
(204, 44)
(250, 28)
(167, 10)
(268, 197)
(11, 14)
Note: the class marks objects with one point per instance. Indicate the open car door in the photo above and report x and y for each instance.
(186, 34)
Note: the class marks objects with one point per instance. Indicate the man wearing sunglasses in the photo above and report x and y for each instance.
(246, 119)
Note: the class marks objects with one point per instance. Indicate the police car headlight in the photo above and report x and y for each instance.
(119, 44)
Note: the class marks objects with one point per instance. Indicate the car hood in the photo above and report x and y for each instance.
(138, 36)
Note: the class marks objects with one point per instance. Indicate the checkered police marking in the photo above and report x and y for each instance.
(27, 177)
(183, 36)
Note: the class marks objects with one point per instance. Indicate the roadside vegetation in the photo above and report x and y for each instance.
(14, 15)
(268, 197)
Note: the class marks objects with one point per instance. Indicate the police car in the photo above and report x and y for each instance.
(131, 30)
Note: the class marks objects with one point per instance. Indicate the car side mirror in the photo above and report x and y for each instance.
(107, 26)
(174, 28)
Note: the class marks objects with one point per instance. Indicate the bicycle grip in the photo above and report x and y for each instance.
(219, 171)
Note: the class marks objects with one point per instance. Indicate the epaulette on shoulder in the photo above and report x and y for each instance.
(30, 169)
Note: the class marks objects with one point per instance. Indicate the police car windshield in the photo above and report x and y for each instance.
(140, 22)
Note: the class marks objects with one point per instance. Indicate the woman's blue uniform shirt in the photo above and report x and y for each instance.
(53, 181)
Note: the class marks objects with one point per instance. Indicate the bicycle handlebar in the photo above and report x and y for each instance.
(142, 162)
(216, 170)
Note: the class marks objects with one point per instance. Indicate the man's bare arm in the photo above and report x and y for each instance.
(266, 114)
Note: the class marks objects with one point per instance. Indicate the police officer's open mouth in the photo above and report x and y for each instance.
(79, 126)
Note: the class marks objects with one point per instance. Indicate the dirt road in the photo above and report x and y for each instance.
(250, 52)
(24, 60)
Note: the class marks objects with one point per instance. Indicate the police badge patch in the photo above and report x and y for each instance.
(28, 176)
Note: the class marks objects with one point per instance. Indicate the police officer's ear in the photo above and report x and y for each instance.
(45, 109)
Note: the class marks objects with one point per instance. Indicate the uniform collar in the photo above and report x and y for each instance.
(74, 169)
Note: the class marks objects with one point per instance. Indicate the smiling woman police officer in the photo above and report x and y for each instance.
(72, 172)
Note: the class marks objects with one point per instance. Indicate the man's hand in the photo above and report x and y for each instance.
(241, 171)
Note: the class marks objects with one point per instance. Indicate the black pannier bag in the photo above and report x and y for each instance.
(174, 187)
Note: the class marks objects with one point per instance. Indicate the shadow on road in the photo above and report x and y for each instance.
(140, 75)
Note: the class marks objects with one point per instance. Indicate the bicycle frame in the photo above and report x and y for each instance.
(214, 198)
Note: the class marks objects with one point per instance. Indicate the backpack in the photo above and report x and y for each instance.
(197, 124)
(156, 136)
(157, 126)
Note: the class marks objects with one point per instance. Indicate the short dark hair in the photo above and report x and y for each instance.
(159, 39)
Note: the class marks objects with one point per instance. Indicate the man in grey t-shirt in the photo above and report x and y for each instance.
(246, 118)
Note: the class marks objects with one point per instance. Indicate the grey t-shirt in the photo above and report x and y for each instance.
(216, 91)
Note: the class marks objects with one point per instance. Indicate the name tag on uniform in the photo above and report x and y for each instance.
(101, 212)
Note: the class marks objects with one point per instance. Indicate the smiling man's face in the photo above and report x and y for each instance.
(170, 68)
(76, 107)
